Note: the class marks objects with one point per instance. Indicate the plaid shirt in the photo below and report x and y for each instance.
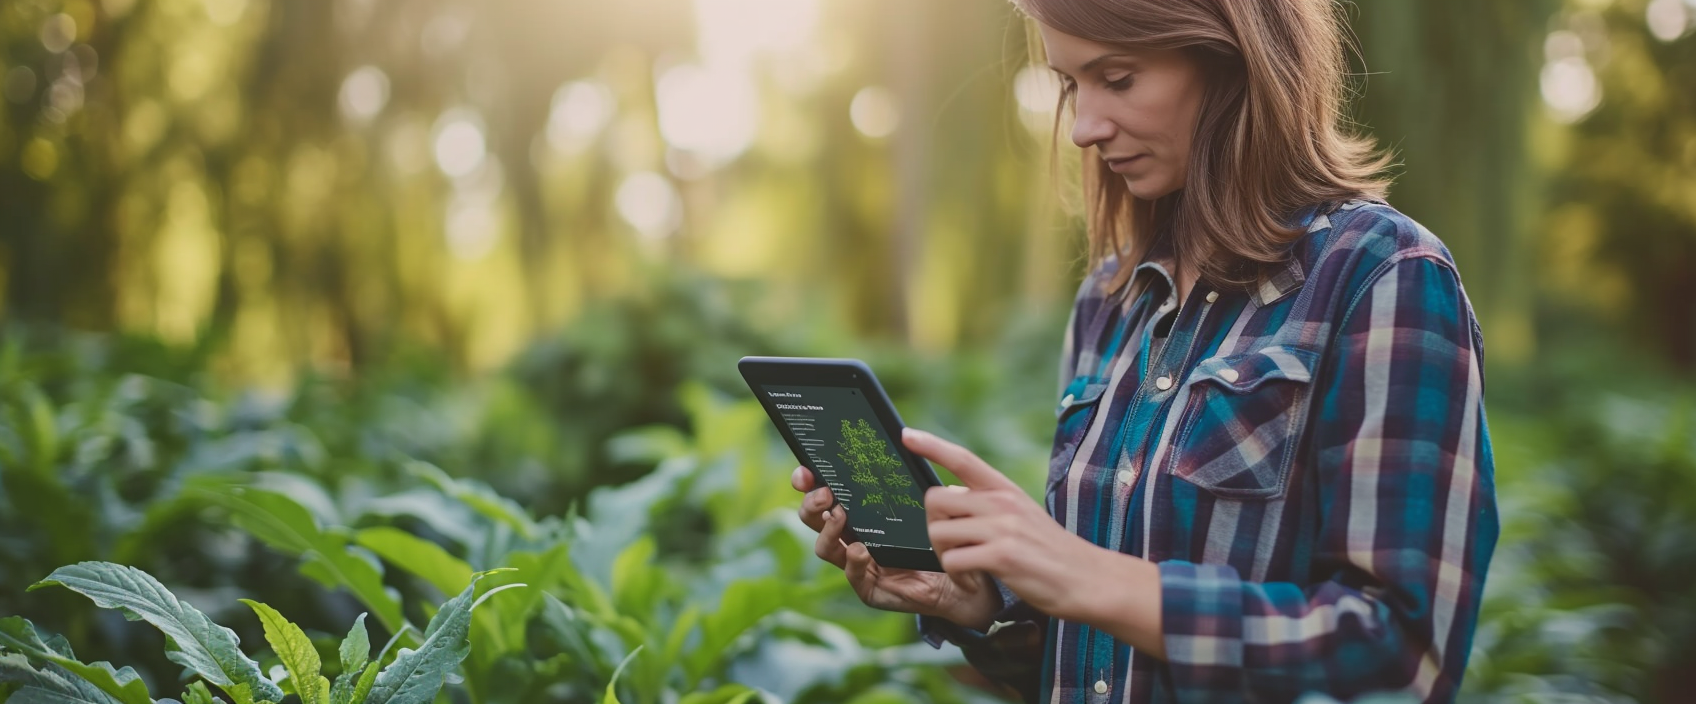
(1307, 464)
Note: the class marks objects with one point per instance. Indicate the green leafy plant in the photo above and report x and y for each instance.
(44, 669)
(698, 567)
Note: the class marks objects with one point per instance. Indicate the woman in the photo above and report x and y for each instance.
(1271, 473)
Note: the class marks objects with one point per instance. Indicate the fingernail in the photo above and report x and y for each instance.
(915, 433)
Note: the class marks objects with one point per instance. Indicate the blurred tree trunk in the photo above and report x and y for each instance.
(908, 35)
(1452, 87)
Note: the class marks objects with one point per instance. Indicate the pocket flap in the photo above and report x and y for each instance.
(1082, 391)
(1242, 373)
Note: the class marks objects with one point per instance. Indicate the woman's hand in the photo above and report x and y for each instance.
(991, 525)
(966, 598)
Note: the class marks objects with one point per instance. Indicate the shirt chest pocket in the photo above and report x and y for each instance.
(1074, 413)
(1243, 419)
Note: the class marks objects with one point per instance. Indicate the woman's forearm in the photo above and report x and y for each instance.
(1121, 597)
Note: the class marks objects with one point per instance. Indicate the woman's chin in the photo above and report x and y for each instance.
(1147, 188)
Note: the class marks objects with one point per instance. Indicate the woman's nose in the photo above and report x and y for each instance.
(1090, 127)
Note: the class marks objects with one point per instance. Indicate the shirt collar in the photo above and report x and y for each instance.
(1270, 288)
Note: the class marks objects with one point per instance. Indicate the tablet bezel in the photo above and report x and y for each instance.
(853, 374)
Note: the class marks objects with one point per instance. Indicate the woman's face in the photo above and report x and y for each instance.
(1136, 106)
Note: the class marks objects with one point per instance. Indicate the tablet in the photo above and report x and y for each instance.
(842, 427)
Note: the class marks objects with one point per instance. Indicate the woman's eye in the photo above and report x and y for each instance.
(1119, 83)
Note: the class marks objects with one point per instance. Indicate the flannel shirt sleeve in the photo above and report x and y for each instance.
(1010, 653)
(1407, 518)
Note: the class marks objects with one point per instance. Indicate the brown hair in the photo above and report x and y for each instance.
(1270, 138)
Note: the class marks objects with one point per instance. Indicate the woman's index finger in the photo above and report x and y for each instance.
(972, 470)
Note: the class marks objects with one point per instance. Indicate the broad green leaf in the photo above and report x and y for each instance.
(204, 647)
(744, 603)
(479, 497)
(588, 595)
(285, 525)
(421, 557)
(366, 679)
(243, 694)
(196, 693)
(544, 572)
(638, 584)
(299, 657)
(448, 574)
(416, 676)
(123, 684)
(50, 684)
(356, 647)
(355, 655)
(611, 697)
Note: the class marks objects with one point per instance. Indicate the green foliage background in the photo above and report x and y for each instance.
(274, 325)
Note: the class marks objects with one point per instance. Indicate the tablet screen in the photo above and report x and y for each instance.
(856, 456)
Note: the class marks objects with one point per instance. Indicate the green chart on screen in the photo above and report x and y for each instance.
(857, 460)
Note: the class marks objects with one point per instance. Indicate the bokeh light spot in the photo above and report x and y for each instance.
(650, 204)
(40, 160)
(1037, 89)
(580, 110)
(65, 96)
(1562, 44)
(711, 112)
(458, 143)
(1668, 19)
(874, 112)
(1570, 89)
(58, 32)
(733, 32)
(364, 93)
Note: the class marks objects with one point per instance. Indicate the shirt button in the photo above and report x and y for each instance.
(1163, 383)
(1070, 399)
(1125, 476)
(1229, 375)
(1100, 687)
(1212, 296)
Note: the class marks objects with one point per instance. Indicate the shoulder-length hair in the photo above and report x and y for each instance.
(1271, 136)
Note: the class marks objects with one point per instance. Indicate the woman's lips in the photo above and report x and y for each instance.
(1120, 165)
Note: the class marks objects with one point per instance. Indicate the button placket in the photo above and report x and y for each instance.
(1165, 382)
